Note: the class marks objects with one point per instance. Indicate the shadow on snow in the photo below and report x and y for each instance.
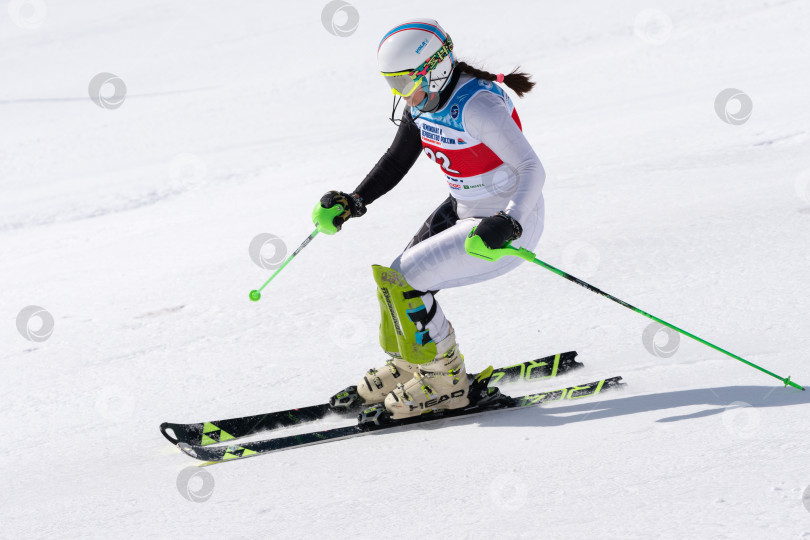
(718, 399)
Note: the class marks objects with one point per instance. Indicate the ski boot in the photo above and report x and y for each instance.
(481, 396)
(437, 385)
(376, 384)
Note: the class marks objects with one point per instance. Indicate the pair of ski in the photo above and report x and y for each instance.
(200, 440)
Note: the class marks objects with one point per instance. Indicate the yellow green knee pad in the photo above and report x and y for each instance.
(401, 308)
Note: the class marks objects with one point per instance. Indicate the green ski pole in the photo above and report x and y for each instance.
(326, 214)
(475, 246)
(256, 294)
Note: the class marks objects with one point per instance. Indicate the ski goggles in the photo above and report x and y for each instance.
(402, 83)
(405, 83)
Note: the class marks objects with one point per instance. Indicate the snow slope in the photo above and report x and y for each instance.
(131, 227)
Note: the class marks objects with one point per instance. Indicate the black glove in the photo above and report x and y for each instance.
(352, 207)
(499, 229)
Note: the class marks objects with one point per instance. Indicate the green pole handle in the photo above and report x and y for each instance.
(475, 246)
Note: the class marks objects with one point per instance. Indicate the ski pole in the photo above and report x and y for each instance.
(256, 294)
(327, 214)
(475, 246)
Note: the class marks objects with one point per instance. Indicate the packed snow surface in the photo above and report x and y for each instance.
(128, 219)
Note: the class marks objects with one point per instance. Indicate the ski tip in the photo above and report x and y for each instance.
(615, 383)
(167, 431)
(187, 449)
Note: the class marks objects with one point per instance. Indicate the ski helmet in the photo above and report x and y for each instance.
(416, 53)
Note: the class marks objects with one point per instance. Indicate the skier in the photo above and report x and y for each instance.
(463, 121)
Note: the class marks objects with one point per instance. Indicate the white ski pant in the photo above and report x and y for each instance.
(439, 261)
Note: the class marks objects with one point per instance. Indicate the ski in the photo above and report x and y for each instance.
(219, 454)
(218, 431)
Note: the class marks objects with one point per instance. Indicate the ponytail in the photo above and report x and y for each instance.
(519, 82)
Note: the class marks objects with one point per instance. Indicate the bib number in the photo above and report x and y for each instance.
(439, 155)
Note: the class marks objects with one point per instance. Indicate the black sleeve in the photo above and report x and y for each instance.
(395, 163)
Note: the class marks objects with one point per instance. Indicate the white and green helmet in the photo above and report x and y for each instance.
(416, 53)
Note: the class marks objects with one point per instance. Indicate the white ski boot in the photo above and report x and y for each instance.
(378, 383)
(437, 385)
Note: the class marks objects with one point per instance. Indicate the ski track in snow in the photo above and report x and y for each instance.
(131, 226)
